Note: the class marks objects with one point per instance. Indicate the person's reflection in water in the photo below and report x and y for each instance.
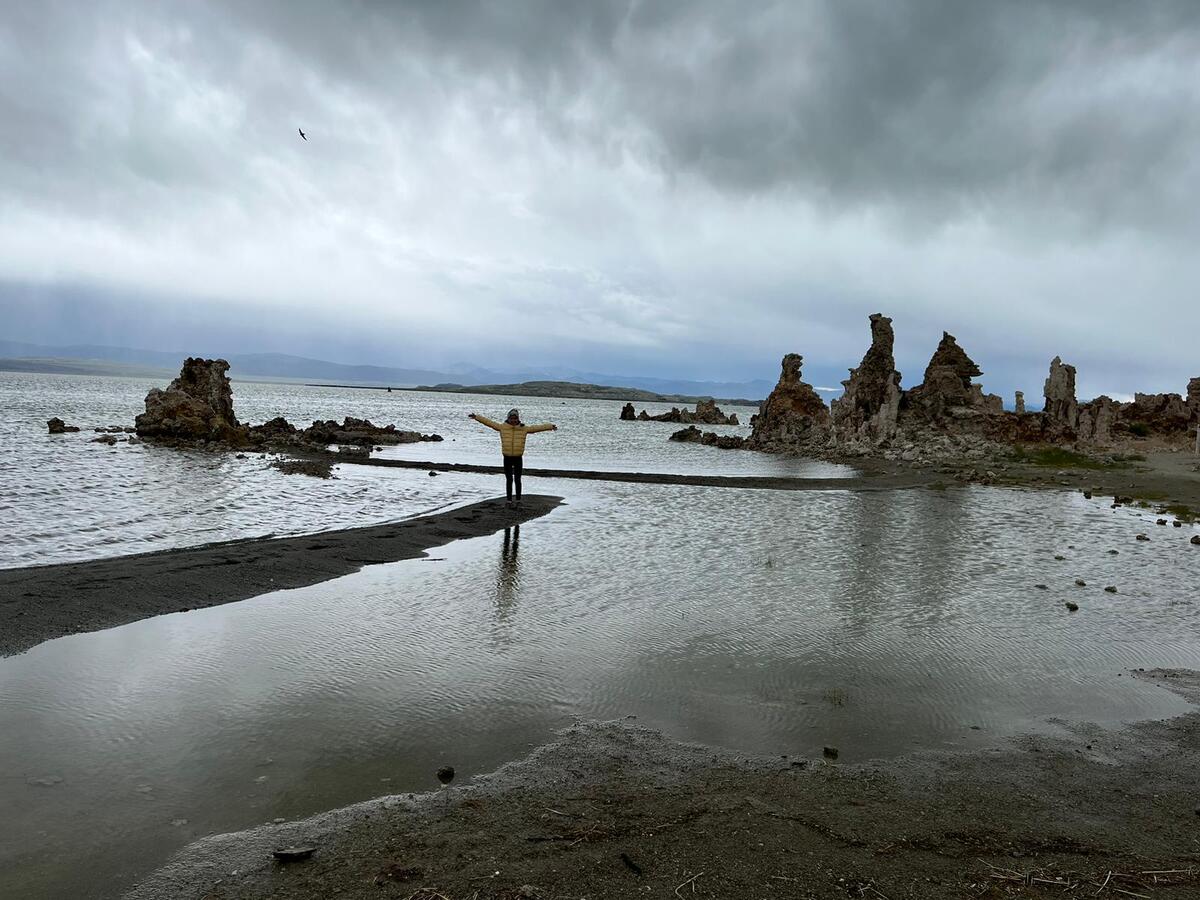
(508, 577)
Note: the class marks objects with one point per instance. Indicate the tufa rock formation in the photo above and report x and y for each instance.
(868, 411)
(359, 433)
(707, 413)
(948, 415)
(793, 416)
(627, 413)
(196, 406)
(1062, 409)
(947, 393)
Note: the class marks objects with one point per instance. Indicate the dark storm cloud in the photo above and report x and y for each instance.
(935, 108)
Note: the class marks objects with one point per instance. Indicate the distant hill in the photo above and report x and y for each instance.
(98, 359)
(574, 391)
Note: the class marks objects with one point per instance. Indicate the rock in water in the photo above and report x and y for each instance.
(1196, 539)
(445, 774)
(628, 414)
(58, 426)
(198, 405)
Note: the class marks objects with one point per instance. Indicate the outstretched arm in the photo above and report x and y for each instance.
(545, 426)
(484, 420)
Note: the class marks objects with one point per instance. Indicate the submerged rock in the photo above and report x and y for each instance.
(58, 426)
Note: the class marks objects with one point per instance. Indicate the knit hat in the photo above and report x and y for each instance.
(514, 414)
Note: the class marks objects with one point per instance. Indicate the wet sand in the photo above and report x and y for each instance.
(45, 602)
(613, 810)
(873, 479)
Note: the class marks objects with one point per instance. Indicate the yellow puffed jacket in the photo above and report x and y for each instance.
(512, 437)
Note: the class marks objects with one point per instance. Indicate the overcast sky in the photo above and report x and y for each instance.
(688, 189)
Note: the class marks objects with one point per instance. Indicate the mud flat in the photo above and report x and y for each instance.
(45, 602)
(614, 810)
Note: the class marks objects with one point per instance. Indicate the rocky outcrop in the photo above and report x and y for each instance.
(706, 413)
(1019, 402)
(58, 426)
(793, 416)
(360, 433)
(868, 411)
(947, 398)
(628, 414)
(196, 406)
(693, 435)
(1193, 399)
(1061, 409)
(1095, 420)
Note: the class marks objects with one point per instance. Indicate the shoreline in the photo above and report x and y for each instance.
(40, 603)
(616, 810)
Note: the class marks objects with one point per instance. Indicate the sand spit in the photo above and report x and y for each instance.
(45, 602)
(614, 810)
(877, 479)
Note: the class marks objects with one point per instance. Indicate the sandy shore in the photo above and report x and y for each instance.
(613, 810)
(45, 602)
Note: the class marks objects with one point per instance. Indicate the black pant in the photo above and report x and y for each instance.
(512, 472)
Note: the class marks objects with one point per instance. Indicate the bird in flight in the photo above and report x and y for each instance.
(302, 134)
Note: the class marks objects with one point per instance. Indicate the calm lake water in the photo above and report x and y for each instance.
(769, 622)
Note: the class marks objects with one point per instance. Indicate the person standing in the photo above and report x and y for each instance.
(512, 445)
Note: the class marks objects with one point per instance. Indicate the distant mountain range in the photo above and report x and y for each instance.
(575, 390)
(85, 359)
